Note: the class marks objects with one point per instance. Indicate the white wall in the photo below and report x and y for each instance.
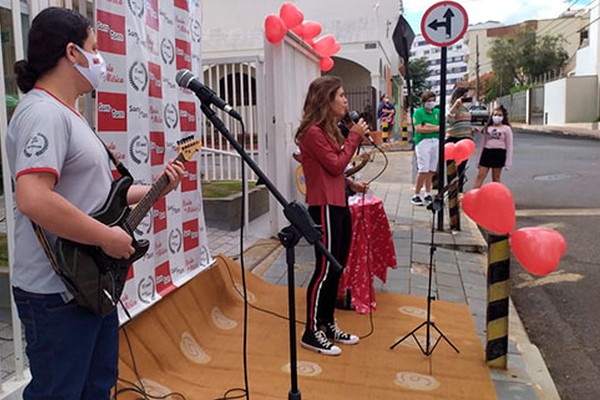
(233, 27)
(570, 100)
(290, 67)
(581, 99)
(555, 94)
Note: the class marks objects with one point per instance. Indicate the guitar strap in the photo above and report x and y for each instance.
(41, 234)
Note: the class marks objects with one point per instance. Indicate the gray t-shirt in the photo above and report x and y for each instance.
(46, 135)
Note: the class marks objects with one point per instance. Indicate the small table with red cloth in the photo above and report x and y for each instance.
(371, 253)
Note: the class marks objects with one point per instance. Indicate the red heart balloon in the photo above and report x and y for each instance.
(464, 150)
(538, 250)
(275, 29)
(491, 207)
(449, 151)
(290, 15)
(325, 45)
(312, 29)
(298, 30)
(326, 64)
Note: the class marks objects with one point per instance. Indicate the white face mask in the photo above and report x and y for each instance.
(96, 69)
(429, 105)
(497, 119)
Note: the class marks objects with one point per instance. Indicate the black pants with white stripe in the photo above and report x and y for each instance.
(322, 290)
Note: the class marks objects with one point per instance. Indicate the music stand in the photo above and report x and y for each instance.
(436, 206)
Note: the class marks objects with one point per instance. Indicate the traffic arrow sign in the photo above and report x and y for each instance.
(444, 23)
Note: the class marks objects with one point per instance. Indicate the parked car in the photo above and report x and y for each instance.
(479, 113)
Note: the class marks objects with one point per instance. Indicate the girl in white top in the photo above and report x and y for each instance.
(496, 147)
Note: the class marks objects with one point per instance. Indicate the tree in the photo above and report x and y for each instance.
(419, 72)
(518, 59)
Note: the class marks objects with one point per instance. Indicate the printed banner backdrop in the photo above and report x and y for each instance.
(142, 113)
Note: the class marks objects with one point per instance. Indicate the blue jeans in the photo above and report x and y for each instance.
(73, 354)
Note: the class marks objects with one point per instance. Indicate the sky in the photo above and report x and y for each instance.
(505, 11)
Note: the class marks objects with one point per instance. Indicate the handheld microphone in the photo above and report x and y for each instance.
(186, 79)
(352, 116)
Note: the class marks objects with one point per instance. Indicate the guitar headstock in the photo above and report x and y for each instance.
(187, 147)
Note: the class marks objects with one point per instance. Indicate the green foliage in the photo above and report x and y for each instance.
(419, 72)
(3, 251)
(519, 59)
(218, 189)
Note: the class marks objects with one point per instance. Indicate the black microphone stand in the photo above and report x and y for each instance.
(436, 206)
(302, 225)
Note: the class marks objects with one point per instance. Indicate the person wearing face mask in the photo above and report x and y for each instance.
(459, 125)
(62, 173)
(385, 114)
(426, 121)
(496, 147)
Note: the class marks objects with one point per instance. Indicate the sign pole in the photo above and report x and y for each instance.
(442, 135)
(442, 25)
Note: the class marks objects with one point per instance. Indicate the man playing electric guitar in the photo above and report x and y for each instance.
(62, 173)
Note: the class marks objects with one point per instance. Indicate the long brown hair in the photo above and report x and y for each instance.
(317, 107)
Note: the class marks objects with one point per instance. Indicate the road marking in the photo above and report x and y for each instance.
(555, 277)
(558, 212)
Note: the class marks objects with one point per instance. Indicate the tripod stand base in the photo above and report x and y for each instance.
(428, 348)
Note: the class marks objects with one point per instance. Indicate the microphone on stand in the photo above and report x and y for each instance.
(186, 79)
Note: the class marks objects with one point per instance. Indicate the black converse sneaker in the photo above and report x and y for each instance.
(317, 341)
(335, 334)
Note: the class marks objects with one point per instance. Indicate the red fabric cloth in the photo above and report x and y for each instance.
(371, 253)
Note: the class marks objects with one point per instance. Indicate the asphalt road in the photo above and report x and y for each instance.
(555, 182)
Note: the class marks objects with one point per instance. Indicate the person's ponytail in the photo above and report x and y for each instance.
(26, 77)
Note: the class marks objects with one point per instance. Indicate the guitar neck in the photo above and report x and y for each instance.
(138, 213)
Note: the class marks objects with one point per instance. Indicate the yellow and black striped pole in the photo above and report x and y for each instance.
(498, 275)
(453, 203)
(404, 133)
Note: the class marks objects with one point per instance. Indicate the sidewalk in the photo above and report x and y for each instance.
(460, 265)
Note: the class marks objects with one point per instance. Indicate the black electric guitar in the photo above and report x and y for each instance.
(94, 278)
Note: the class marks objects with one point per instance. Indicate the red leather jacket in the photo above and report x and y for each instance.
(324, 162)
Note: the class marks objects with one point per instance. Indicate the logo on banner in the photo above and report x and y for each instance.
(175, 240)
(159, 212)
(182, 54)
(146, 290)
(170, 115)
(157, 148)
(139, 149)
(164, 282)
(155, 80)
(113, 74)
(152, 14)
(110, 30)
(167, 51)
(182, 4)
(187, 116)
(145, 225)
(190, 178)
(138, 76)
(189, 206)
(183, 28)
(36, 145)
(156, 114)
(196, 30)
(112, 112)
(136, 7)
(191, 238)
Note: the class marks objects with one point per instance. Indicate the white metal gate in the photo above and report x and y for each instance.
(240, 82)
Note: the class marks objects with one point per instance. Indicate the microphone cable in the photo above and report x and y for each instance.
(139, 386)
(245, 391)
